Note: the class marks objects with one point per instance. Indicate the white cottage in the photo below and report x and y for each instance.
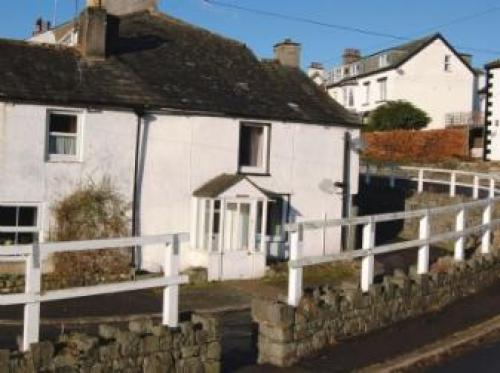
(191, 127)
(427, 72)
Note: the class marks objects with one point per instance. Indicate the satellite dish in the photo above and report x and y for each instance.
(327, 186)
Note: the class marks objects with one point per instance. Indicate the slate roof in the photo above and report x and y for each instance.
(493, 64)
(163, 63)
(223, 182)
(396, 56)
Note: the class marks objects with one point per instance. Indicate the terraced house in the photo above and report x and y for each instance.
(427, 72)
(199, 134)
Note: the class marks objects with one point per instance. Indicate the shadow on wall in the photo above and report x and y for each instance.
(378, 198)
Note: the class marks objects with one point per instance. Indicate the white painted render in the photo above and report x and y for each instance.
(423, 81)
(493, 117)
(180, 154)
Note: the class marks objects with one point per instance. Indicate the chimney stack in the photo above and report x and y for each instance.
(121, 7)
(92, 32)
(351, 55)
(287, 53)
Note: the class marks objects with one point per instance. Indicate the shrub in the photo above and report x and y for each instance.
(397, 115)
(93, 211)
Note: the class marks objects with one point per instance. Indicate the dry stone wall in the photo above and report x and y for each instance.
(327, 315)
(144, 348)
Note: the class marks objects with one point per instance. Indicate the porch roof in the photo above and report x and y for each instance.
(219, 184)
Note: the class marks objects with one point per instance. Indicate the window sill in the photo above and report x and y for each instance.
(365, 104)
(63, 159)
(253, 171)
(381, 101)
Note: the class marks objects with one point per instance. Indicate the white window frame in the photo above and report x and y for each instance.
(447, 63)
(79, 136)
(36, 229)
(383, 60)
(382, 89)
(366, 86)
(266, 148)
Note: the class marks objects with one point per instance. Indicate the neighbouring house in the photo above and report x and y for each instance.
(492, 120)
(428, 72)
(199, 134)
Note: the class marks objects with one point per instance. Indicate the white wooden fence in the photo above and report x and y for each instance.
(476, 182)
(34, 255)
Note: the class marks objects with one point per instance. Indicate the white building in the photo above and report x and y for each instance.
(492, 122)
(427, 72)
(229, 148)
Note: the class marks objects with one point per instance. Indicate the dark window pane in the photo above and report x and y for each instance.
(275, 217)
(27, 216)
(63, 123)
(27, 238)
(7, 239)
(251, 146)
(7, 216)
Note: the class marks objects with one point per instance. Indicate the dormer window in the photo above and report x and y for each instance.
(383, 60)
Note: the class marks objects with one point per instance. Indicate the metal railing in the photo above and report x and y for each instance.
(33, 255)
(476, 182)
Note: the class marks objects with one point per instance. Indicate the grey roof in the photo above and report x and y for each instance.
(223, 182)
(163, 63)
(396, 56)
(493, 64)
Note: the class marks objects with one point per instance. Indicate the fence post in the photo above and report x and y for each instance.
(368, 175)
(492, 188)
(423, 251)
(368, 261)
(475, 190)
(171, 293)
(31, 330)
(460, 241)
(420, 181)
(295, 274)
(486, 239)
(453, 184)
(392, 179)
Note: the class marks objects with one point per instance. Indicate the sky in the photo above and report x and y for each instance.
(472, 27)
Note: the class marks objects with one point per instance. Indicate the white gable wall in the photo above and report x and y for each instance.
(423, 81)
(493, 116)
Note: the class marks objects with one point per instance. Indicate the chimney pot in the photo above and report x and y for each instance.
(351, 55)
(287, 53)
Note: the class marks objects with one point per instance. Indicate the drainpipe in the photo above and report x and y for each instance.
(346, 200)
(135, 198)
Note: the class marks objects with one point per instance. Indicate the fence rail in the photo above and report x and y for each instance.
(477, 183)
(34, 255)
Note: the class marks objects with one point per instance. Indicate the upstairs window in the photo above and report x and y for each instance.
(63, 136)
(351, 97)
(367, 93)
(447, 62)
(254, 148)
(19, 224)
(382, 89)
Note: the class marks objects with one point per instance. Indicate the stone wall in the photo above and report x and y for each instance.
(144, 347)
(327, 315)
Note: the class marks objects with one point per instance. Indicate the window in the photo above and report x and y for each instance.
(367, 93)
(277, 216)
(254, 148)
(382, 89)
(19, 224)
(383, 60)
(447, 62)
(351, 97)
(63, 136)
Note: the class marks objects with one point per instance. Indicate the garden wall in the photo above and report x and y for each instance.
(327, 315)
(424, 146)
(143, 348)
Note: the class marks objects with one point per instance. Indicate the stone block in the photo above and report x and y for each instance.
(279, 351)
(107, 331)
(190, 351)
(212, 366)
(191, 365)
(149, 345)
(109, 352)
(272, 312)
(141, 326)
(4, 360)
(277, 333)
(209, 323)
(214, 351)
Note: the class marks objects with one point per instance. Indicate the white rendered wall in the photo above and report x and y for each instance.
(422, 81)
(181, 154)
